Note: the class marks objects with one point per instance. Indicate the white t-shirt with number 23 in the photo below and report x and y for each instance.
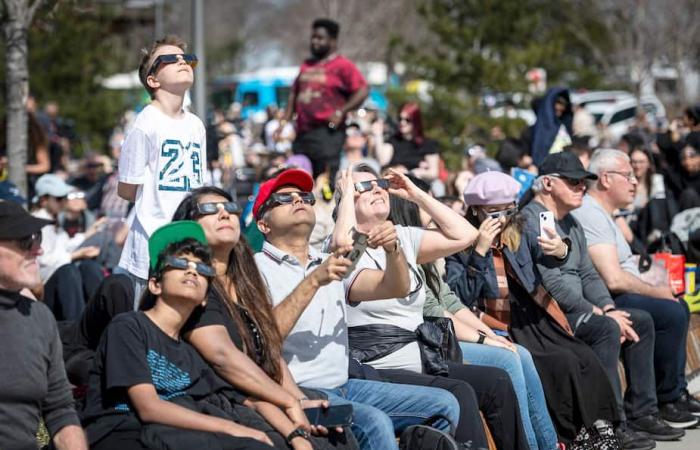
(167, 157)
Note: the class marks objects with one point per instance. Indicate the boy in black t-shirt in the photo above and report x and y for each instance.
(147, 387)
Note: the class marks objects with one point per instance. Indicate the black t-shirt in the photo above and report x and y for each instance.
(216, 313)
(410, 154)
(133, 350)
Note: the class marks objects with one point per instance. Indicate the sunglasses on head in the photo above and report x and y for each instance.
(364, 186)
(503, 213)
(206, 209)
(162, 60)
(173, 262)
(28, 242)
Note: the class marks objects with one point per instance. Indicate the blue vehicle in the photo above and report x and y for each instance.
(271, 86)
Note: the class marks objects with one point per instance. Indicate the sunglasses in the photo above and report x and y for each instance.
(162, 60)
(404, 120)
(364, 186)
(503, 213)
(571, 181)
(287, 198)
(75, 196)
(183, 264)
(29, 242)
(206, 209)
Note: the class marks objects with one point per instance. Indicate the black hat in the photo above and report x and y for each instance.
(565, 164)
(16, 222)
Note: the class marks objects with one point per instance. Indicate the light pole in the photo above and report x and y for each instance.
(199, 93)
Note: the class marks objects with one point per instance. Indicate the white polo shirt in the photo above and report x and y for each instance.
(316, 349)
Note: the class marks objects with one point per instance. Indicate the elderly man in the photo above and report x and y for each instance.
(612, 257)
(311, 312)
(34, 382)
(589, 309)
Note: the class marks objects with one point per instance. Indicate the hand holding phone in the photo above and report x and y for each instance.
(546, 221)
(331, 417)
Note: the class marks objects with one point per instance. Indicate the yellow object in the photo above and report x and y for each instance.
(692, 296)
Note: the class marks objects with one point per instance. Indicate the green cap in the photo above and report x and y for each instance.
(173, 232)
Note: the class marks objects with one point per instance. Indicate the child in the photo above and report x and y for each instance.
(164, 154)
(147, 388)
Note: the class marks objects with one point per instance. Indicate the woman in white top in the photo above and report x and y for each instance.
(364, 203)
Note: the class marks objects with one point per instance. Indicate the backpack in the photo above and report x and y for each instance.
(425, 437)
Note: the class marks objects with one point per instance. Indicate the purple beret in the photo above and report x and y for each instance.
(491, 188)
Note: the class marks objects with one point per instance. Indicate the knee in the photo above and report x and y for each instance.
(610, 331)
(67, 274)
(448, 405)
(643, 322)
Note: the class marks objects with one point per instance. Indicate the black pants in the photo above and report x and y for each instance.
(602, 334)
(494, 395)
(671, 319)
(113, 296)
(69, 288)
(322, 146)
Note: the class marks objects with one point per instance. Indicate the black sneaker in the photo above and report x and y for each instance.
(655, 428)
(689, 403)
(675, 415)
(631, 440)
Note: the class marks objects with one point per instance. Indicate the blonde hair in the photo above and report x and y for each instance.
(147, 55)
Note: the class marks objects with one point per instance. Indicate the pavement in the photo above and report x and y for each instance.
(691, 440)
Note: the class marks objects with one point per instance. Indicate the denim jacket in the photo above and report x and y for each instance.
(473, 277)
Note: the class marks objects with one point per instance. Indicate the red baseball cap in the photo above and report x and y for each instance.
(290, 177)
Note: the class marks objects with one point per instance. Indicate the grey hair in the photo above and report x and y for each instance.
(538, 184)
(604, 159)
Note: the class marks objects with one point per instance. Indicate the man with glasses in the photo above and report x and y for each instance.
(613, 259)
(34, 381)
(311, 298)
(164, 154)
(67, 267)
(589, 309)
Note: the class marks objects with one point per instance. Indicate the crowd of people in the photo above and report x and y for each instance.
(208, 286)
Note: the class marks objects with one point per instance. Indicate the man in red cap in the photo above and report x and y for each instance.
(34, 380)
(310, 295)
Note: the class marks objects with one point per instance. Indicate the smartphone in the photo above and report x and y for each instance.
(359, 245)
(331, 417)
(546, 221)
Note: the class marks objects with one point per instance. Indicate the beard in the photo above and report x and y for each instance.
(320, 52)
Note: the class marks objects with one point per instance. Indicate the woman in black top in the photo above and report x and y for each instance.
(236, 333)
(148, 388)
(410, 148)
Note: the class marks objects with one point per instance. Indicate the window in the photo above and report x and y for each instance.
(625, 114)
(250, 99)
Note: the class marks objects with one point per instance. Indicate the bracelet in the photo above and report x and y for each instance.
(606, 311)
(297, 432)
(303, 398)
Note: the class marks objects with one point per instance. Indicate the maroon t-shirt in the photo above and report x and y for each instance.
(321, 88)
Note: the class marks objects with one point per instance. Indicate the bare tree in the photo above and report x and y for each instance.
(16, 17)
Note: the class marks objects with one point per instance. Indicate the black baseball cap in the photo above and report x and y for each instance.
(565, 164)
(16, 222)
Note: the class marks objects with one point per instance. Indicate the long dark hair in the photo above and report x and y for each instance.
(406, 213)
(186, 246)
(242, 272)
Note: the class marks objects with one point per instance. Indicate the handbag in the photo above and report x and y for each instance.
(438, 345)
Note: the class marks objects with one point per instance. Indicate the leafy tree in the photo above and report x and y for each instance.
(72, 46)
(483, 46)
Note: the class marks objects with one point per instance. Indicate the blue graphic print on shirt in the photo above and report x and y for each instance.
(169, 380)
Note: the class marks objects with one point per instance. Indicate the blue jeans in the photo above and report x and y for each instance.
(382, 410)
(527, 385)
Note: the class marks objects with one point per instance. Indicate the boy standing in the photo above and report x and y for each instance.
(163, 156)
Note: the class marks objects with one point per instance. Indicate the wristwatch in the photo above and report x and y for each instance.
(297, 432)
(482, 337)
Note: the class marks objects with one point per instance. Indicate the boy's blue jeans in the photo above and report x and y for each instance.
(382, 410)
